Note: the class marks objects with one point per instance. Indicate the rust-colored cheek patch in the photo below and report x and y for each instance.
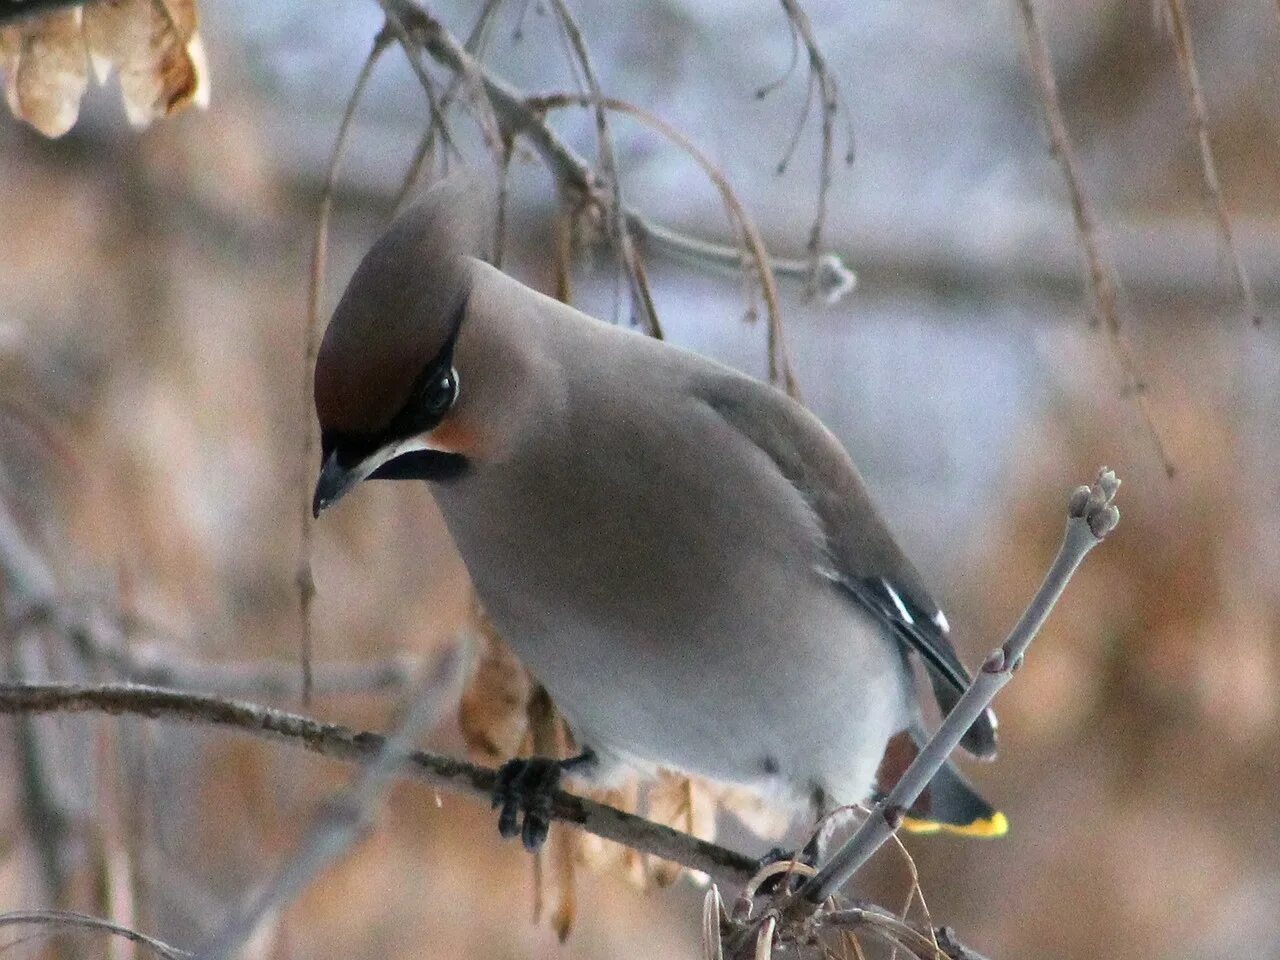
(453, 435)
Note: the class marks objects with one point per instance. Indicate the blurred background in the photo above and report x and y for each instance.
(152, 324)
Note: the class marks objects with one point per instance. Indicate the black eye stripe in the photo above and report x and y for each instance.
(431, 395)
(435, 391)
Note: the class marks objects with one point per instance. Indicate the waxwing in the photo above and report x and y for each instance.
(684, 557)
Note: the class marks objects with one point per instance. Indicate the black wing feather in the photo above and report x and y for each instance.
(921, 634)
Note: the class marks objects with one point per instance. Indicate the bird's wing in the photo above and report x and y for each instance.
(864, 559)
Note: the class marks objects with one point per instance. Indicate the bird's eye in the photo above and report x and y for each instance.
(443, 391)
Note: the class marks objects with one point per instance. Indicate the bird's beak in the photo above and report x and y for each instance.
(335, 480)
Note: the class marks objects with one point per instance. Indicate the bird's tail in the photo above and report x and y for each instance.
(949, 804)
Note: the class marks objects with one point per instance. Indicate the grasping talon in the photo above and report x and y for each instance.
(528, 785)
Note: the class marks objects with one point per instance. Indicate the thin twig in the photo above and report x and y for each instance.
(342, 820)
(834, 280)
(1101, 275)
(615, 218)
(512, 113)
(1090, 517)
(304, 578)
(780, 369)
(398, 29)
(28, 582)
(59, 921)
(342, 743)
(830, 106)
(1185, 49)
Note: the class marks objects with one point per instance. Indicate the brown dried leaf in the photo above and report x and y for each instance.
(605, 855)
(684, 804)
(10, 40)
(557, 861)
(48, 73)
(117, 32)
(157, 51)
(493, 712)
(753, 811)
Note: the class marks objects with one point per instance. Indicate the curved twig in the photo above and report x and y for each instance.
(637, 280)
(58, 921)
(831, 106)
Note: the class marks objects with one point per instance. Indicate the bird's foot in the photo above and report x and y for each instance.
(528, 785)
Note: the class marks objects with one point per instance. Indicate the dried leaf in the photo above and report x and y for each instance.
(493, 712)
(752, 810)
(117, 32)
(553, 868)
(562, 855)
(49, 72)
(157, 51)
(684, 804)
(764, 941)
(10, 41)
(605, 855)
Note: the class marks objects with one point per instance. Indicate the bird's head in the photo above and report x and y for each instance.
(387, 384)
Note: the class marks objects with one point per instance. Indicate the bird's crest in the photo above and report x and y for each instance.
(403, 305)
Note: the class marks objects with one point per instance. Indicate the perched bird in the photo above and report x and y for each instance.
(683, 556)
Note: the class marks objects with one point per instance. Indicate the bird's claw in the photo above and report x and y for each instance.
(527, 785)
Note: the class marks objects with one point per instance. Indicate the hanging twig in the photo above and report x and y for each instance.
(1101, 275)
(54, 922)
(615, 216)
(831, 105)
(310, 442)
(1190, 72)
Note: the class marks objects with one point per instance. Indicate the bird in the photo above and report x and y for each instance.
(685, 557)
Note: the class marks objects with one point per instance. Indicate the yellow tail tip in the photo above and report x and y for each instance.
(996, 825)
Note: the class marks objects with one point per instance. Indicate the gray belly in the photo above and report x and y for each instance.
(728, 657)
(810, 705)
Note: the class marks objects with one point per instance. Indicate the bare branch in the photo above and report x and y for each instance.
(834, 280)
(1090, 517)
(513, 115)
(1182, 44)
(1101, 275)
(342, 743)
(438, 120)
(517, 115)
(60, 921)
(343, 819)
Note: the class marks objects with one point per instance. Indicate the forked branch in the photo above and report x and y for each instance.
(1091, 515)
